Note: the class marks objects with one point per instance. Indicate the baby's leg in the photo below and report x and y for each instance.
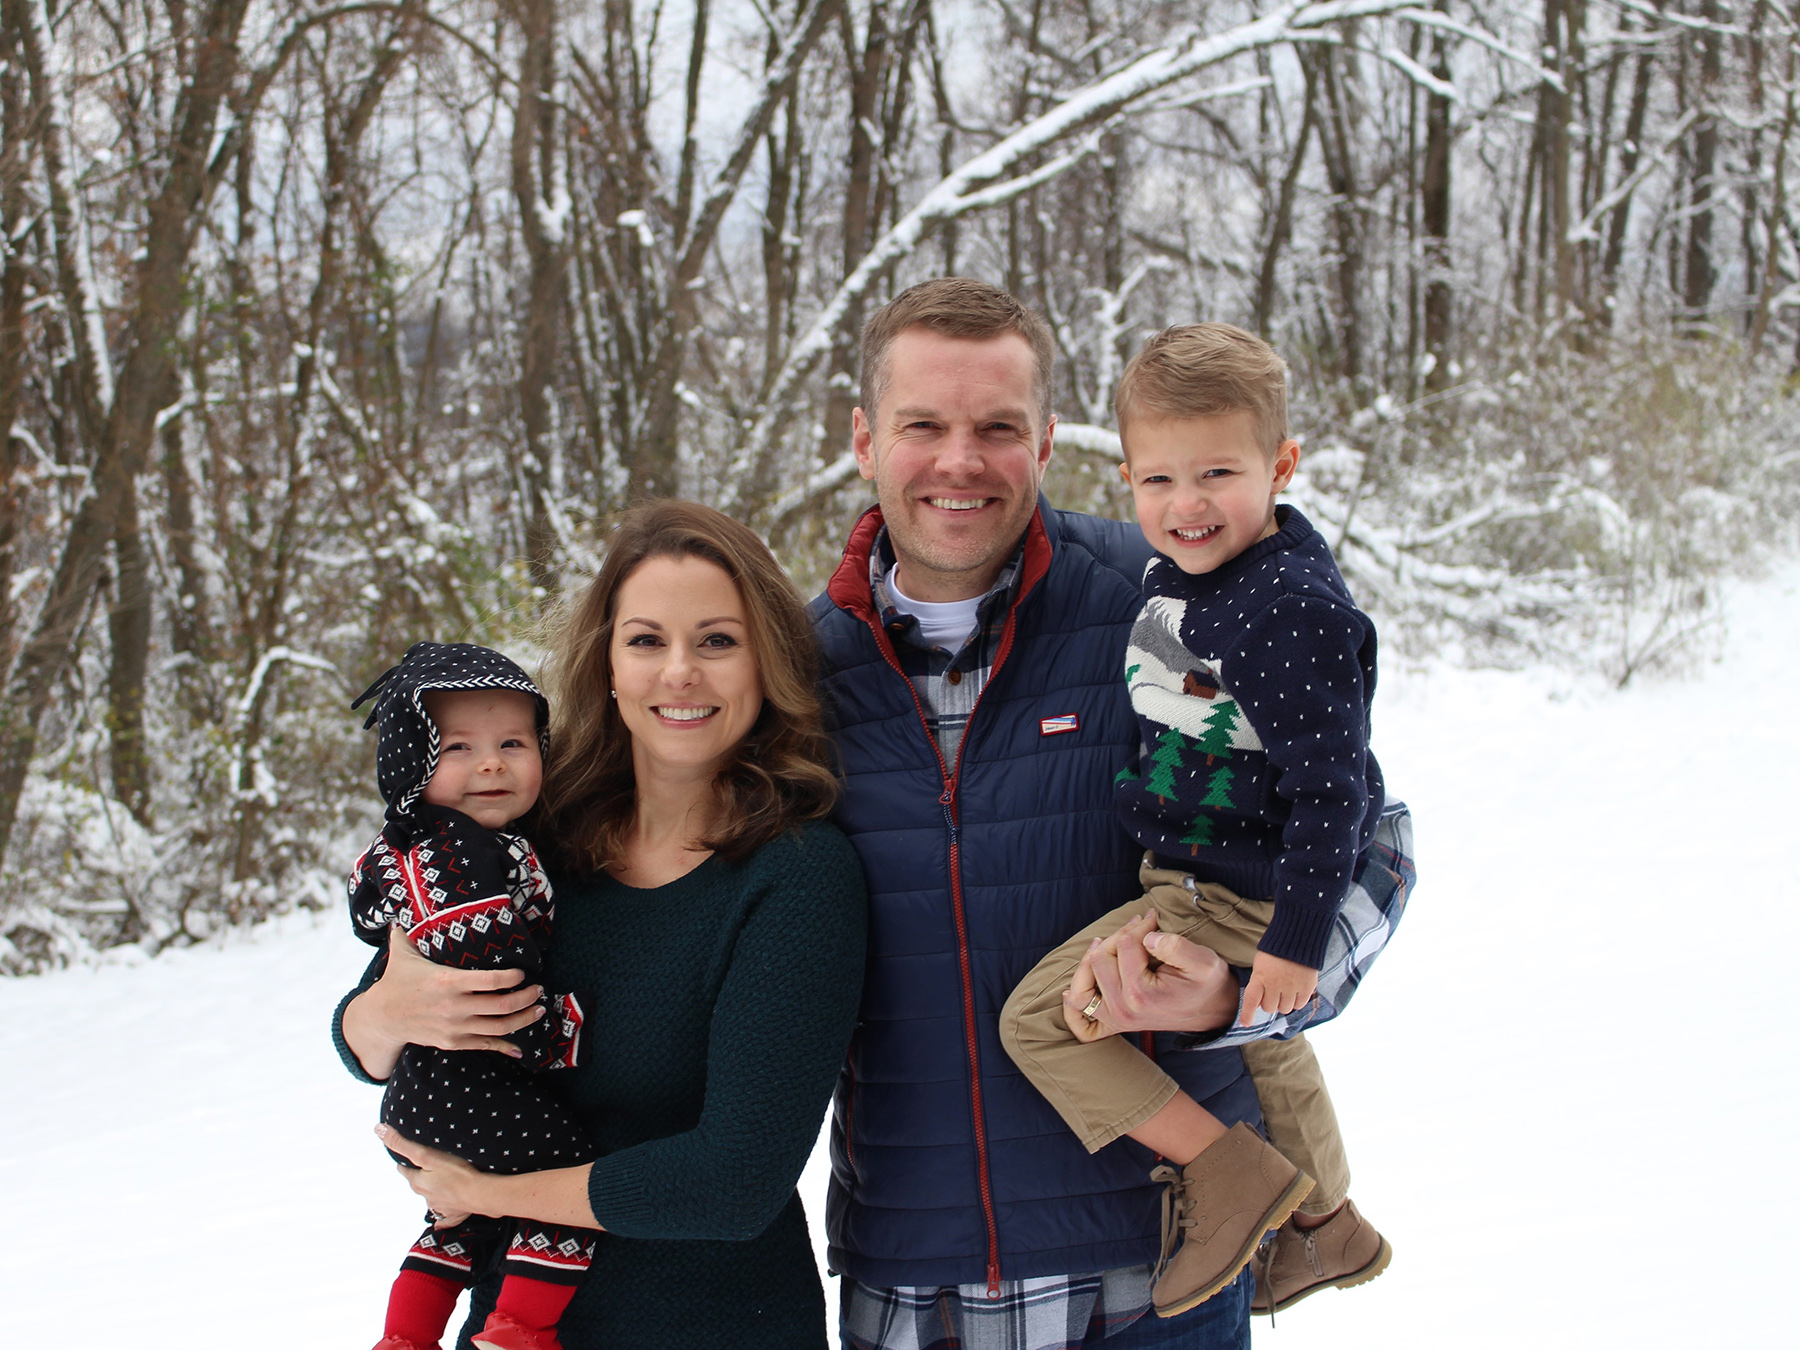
(542, 1267)
(436, 1270)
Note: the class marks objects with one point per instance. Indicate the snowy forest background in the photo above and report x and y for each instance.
(328, 327)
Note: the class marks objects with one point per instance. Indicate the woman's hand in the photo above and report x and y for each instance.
(454, 1190)
(449, 1186)
(418, 1002)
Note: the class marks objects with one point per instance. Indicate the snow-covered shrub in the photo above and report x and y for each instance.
(1578, 505)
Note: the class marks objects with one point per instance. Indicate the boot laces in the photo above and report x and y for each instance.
(1175, 1205)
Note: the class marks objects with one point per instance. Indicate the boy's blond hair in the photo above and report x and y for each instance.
(1204, 370)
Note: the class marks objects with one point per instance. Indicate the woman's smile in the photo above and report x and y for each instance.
(684, 675)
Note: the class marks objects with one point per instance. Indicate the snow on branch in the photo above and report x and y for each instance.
(1415, 72)
(829, 479)
(259, 676)
(1125, 91)
(1090, 439)
(1588, 226)
(1428, 18)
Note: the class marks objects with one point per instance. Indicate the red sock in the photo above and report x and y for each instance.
(533, 1303)
(420, 1305)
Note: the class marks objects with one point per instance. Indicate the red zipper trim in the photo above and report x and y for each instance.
(948, 802)
(853, 597)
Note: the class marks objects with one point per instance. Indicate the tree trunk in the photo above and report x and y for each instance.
(15, 207)
(1280, 228)
(1699, 272)
(1632, 151)
(868, 80)
(534, 158)
(128, 623)
(1434, 218)
(129, 427)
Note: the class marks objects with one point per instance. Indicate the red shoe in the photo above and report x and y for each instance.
(502, 1333)
(401, 1343)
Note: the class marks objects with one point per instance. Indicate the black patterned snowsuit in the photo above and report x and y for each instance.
(476, 899)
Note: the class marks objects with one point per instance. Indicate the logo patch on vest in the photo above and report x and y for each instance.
(1056, 726)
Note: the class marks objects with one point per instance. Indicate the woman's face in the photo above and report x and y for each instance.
(684, 675)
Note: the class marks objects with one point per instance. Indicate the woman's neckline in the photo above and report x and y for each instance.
(657, 886)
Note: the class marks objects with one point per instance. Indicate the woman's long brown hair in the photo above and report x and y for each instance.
(776, 777)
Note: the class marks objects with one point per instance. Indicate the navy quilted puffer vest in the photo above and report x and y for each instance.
(947, 1166)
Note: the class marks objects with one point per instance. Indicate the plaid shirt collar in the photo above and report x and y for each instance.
(990, 615)
(948, 683)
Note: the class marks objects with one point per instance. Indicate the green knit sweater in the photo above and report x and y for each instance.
(725, 1000)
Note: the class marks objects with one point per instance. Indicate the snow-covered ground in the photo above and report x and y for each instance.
(1568, 1092)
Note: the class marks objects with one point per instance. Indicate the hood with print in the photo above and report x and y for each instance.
(406, 748)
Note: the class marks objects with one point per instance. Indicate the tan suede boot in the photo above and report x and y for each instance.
(1341, 1252)
(1218, 1207)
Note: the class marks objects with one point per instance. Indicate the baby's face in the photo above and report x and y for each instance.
(488, 764)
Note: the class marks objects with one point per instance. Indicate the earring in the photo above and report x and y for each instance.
(613, 692)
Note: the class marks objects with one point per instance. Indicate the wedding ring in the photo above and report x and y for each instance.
(1093, 1006)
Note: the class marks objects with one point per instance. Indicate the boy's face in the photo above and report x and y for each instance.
(488, 765)
(1204, 487)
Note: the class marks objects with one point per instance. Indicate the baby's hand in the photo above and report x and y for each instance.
(1277, 986)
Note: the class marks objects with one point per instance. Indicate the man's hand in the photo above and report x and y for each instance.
(1152, 981)
(1277, 986)
(418, 1002)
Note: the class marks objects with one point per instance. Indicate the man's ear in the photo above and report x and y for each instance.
(1046, 445)
(862, 441)
(1287, 459)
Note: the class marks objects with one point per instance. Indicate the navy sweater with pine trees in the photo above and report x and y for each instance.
(1252, 686)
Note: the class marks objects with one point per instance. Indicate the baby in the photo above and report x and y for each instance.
(1262, 815)
(459, 757)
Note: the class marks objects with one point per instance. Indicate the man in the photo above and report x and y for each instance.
(973, 640)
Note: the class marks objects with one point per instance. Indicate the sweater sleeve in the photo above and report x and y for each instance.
(777, 1037)
(1298, 674)
(345, 1053)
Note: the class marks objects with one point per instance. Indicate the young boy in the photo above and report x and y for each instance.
(459, 757)
(1257, 802)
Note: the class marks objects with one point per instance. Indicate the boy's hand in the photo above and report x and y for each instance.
(1277, 986)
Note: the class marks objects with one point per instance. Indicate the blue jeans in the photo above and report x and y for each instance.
(1220, 1323)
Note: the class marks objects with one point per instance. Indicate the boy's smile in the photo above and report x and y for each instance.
(1203, 487)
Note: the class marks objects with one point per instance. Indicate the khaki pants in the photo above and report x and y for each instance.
(1106, 1088)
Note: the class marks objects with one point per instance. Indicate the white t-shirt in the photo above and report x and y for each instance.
(946, 625)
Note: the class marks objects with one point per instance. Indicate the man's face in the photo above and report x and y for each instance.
(956, 454)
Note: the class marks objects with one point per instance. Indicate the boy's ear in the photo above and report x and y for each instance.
(1287, 459)
(1125, 471)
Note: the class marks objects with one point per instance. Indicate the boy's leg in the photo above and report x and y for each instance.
(1299, 1119)
(1103, 1089)
(1297, 1113)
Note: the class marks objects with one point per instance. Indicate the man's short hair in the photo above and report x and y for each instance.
(957, 307)
(1204, 370)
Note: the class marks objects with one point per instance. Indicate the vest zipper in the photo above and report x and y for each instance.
(948, 802)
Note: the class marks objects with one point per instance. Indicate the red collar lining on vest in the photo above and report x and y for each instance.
(849, 584)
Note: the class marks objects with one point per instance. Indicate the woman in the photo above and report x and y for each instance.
(720, 923)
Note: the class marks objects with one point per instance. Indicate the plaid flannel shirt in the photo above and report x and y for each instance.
(1053, 1312)
(1366, 920)
(948, 683)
